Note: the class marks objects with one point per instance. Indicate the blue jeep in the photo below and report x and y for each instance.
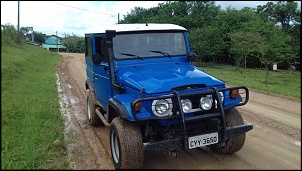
(141, 83)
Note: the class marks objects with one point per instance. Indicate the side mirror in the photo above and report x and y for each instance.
(191, 56)
(96, 58)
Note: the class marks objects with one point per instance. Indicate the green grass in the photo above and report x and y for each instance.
(279, 82)
(30, 112)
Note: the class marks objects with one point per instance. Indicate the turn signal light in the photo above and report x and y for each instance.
(234, 93)
(138, 106)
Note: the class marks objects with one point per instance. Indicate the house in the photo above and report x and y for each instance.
(53, 43)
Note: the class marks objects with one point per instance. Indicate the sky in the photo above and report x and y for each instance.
(77, 17)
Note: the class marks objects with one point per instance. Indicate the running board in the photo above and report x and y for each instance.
(103, 119)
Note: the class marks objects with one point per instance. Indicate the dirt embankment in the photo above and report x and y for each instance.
(274, 143)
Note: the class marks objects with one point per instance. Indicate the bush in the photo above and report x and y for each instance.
(9, 35)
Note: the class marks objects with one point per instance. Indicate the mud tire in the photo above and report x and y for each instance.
(126, 144)
(234, 144)
(92, 117)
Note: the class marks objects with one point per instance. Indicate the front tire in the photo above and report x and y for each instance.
(126, 145)
(92, 117)
(234, 144)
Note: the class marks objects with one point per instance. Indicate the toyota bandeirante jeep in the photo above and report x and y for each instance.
(141, 82)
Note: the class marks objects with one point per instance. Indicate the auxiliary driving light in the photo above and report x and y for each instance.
(206, 102)
(186, 105)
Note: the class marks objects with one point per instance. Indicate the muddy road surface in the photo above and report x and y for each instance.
(274, 143)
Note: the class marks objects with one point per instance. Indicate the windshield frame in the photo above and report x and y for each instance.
(117, 54)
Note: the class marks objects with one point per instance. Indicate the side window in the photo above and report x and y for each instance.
(98, 45)
(88, 51)
(100, 48)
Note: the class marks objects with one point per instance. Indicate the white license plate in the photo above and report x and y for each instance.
(203, 140)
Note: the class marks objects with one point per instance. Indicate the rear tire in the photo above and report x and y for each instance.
(234, 144)
(92, 117)
(126, 145)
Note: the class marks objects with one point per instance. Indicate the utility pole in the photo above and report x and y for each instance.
(57, 41)
(32, 35)
(118, 18)
(19, 42)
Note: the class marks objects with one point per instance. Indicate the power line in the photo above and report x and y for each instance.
(84, 9)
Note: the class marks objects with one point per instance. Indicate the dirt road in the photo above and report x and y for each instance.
(274, 143)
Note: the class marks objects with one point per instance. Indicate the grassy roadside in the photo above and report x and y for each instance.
(279, 82)
(31, 120)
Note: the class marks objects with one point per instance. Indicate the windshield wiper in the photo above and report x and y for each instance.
(161, 52)
(129, 54)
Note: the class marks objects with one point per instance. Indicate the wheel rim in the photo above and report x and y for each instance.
(89, 109)
(115, 147)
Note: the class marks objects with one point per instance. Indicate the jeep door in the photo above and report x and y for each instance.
(100, 73)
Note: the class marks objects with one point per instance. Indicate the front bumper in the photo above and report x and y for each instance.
(181, 142)
(170, 146)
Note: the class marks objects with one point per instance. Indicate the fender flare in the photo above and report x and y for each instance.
(118, 107)
(112, 102)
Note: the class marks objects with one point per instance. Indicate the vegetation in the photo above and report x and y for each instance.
(9, 35)
(31, 120)
(74, 44)
(281, 82)
(38, 36)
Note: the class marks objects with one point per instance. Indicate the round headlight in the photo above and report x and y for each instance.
(186, 105)
(162, 107)
(206, 102)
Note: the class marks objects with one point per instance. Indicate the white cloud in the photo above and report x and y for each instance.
(79, 16)
(67, 16)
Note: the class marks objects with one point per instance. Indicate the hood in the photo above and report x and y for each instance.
(162, 78)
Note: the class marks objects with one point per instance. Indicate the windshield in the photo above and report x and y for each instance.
(144, 45)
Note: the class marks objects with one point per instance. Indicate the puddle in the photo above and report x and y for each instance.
(63, 99)
(64, 103)
(298, 143)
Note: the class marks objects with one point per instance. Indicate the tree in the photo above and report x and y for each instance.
(208, 42)
(135, 16)
(229, 22)
(288, 16)
(74, 44)
(282, 12)
(39, 37)
(275, 49)
(24, 30)
(243, 44)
